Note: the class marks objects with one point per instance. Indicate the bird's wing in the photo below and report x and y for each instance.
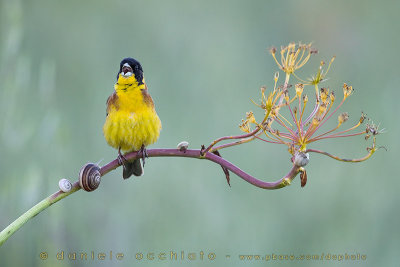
(147, 98)
(112, 101)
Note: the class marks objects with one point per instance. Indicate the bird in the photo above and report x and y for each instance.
(131, 121)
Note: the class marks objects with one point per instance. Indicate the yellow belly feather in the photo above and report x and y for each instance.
(131, 123)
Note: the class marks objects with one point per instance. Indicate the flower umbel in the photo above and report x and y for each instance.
(285, 120)
(296, 130)
(293, 57)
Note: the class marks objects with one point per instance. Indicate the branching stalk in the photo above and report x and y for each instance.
(193, 153)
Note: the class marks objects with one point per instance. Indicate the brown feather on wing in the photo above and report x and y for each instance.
(147, 98)
(112, 100)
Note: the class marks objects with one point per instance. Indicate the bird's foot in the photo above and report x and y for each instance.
(143, 150)
(121, 159)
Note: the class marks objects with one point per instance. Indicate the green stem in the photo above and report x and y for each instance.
(35, 210)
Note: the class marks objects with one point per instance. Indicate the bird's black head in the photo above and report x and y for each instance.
(129, 66)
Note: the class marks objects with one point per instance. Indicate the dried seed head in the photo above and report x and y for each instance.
(276, 76)
(332, 97)
(324, 94)
(322, 108)
(244, 126)
(347, 90)
(287, 96)
(343, 117)
(305, 99)
(293, 57)
(315, 121)
(362, 118)
(373, 129)
(250, 117)
(299, 89)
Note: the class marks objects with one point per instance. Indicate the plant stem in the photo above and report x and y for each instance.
(370, 152)
(35, 210)
(192, 153)
(231, 137)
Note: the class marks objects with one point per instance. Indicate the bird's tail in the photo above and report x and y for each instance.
(134, 167)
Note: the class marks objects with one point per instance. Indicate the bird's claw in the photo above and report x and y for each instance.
(143, 150)
(121, 159)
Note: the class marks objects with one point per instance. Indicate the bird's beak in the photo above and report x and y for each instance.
(126, 70)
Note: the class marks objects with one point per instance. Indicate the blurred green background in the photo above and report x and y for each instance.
(203, 62)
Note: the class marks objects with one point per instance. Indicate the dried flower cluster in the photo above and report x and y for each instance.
(297, 130)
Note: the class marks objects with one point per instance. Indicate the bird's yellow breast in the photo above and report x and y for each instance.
(132, 120)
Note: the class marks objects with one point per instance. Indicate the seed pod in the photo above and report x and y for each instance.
(343, 117)
(347, 90)
(332, 97)
(276, 76)
(299, 89)
(324, 94)
(305, 99)
(303, 178)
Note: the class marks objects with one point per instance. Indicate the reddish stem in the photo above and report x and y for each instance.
(196, 153)
(230, 137)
